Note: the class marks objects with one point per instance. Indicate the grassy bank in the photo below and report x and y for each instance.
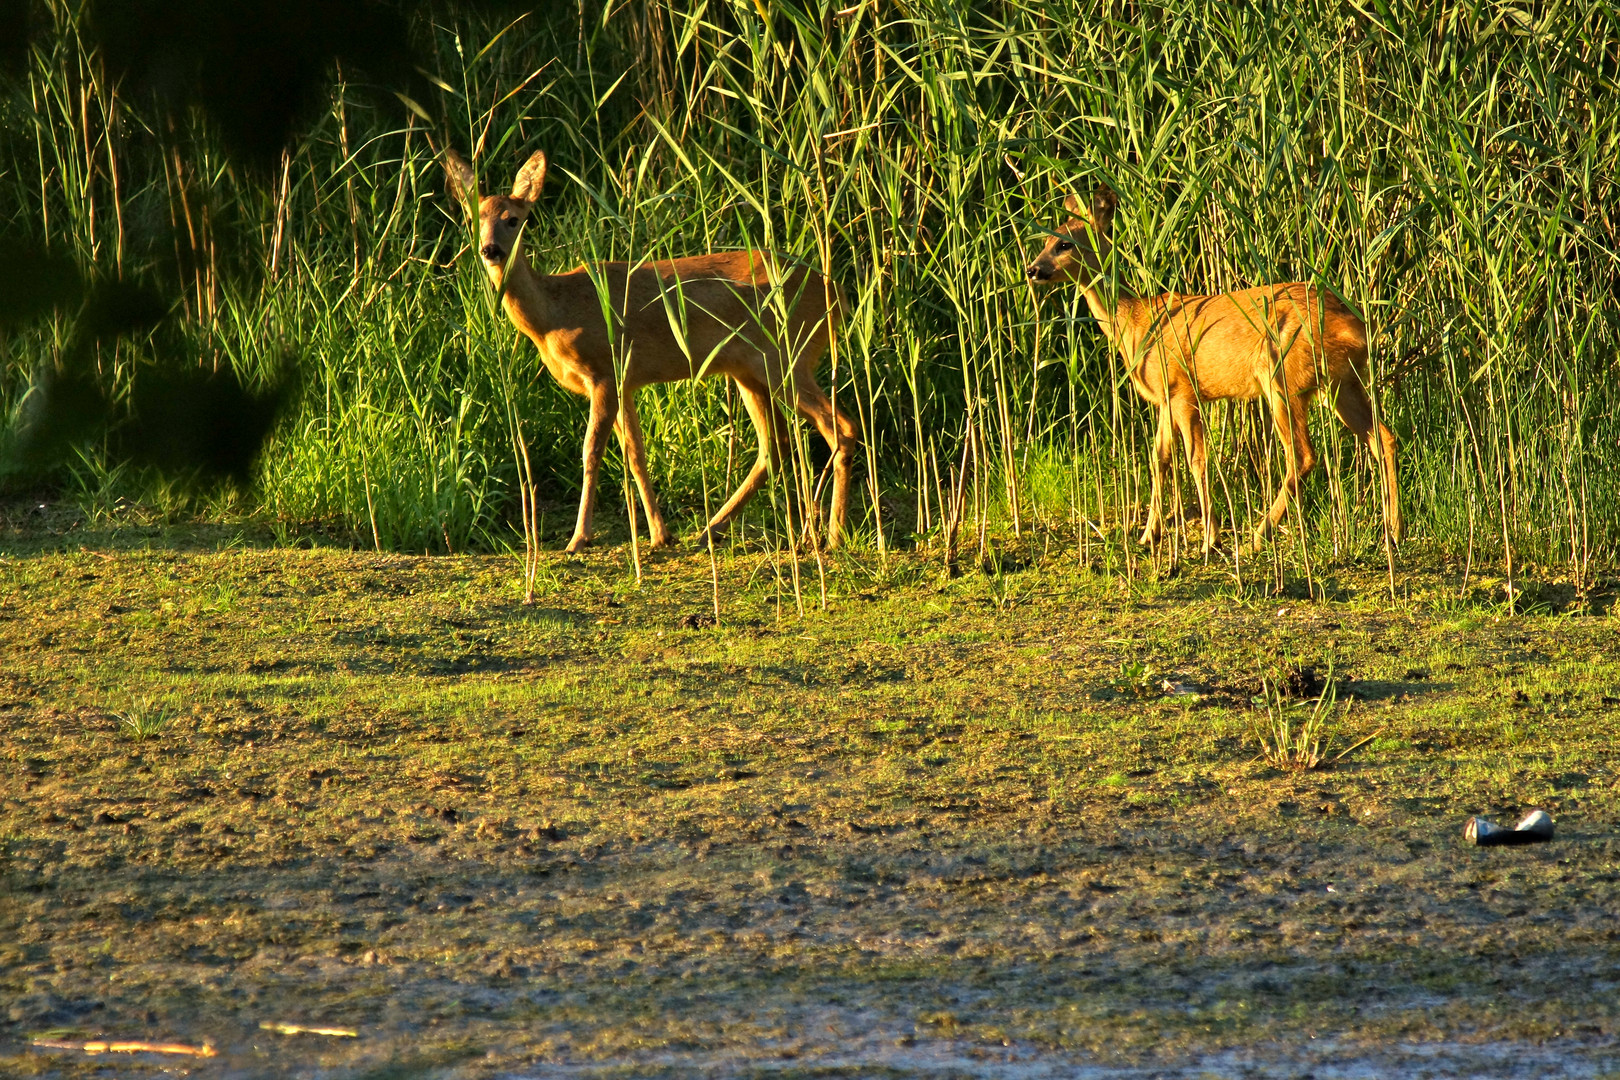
(1446, 169)
(947, 825)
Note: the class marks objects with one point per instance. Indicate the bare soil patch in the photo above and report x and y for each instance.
(982, 827)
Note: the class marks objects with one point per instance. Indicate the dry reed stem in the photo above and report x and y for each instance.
(99, 1047)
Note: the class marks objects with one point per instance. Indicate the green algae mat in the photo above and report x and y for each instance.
(1004, 824)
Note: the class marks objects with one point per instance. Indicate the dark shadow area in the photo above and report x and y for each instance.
(232, 77)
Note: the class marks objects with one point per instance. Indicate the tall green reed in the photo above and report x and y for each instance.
(1446, 168)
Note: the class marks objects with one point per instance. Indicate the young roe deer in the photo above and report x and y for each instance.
(1285, 343)
(740, 313)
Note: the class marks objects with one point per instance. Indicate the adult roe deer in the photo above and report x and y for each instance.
(1281, 342)
(740, 315)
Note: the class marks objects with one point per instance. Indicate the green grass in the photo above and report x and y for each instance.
(927, 797)
(393, 797)
(1446, 169)
(144, 720)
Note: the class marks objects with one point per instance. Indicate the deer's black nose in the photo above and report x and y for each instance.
(1036, 273)
(493, 252)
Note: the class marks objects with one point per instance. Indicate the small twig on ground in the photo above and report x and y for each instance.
(299, 1029)
(1347, 751)
(205, 1050)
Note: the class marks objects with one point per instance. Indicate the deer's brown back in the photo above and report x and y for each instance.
(722, 307)
(1229, 342)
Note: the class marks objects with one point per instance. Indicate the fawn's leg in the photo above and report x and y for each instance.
(1355, 410)
(636, 451)
(1191, 424)
(772, 429)
(1164, 444)
(841, 435)
(1289, 414)
(604, 404)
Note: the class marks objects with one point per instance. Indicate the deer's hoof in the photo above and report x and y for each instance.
(664, 543)
(1149, 537)
(577, 545)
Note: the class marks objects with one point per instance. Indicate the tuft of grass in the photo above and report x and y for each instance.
(1137, 679)
(145, 719)
(1289, 741)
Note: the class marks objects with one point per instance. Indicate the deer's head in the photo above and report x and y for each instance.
(500, 218)
(1081, 247)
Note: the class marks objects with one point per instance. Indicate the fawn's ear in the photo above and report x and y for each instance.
(1072, 205)
(530, 178)
(1103, 201)
(463, 181)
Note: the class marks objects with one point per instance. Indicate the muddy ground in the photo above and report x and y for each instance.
(1005, 825)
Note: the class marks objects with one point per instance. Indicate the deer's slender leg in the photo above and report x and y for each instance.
(772, 429)
(1191, 424)
(1289, 413)
(1164, 445)
(604, 403)
(841, 436)
(636, 451)
(1392, 486)
(1355, 410)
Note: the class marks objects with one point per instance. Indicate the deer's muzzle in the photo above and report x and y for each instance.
(492, 253)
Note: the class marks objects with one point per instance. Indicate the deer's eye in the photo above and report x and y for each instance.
(1062, 246)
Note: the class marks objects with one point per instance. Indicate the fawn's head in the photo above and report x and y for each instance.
(500, 217)
(1080, 249)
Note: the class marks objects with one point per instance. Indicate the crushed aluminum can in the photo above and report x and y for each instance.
(1536, 828)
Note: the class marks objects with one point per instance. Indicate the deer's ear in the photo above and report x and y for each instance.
(463, 181)
(1072, 205)
(531, 178)
(1103, 201)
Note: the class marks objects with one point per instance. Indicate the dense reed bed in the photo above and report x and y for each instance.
(1448, 169)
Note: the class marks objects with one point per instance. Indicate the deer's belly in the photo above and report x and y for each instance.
(1229, 387)
(1204, 382)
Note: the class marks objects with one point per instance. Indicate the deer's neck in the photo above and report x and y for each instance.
(1110, 308)
(527, 302)
(1124, 318)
